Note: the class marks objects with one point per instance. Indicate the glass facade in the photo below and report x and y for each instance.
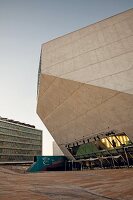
(116, 141)
(19, 142)
(108, 143)
(105, 150)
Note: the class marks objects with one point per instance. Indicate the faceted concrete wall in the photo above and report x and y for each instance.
(86, 81)
(56, 150)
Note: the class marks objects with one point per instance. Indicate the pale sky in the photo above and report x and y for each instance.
(24, 26)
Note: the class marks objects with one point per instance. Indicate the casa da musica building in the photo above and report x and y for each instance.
(85, 89)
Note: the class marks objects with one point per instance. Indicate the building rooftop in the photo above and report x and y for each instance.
(16, 122)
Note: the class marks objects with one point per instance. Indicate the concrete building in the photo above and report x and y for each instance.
(85, 87)
(56, 150)
(19, 142)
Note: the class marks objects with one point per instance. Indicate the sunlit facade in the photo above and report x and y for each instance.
(85, 90)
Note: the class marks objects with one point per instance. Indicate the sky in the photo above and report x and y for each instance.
(24, 26)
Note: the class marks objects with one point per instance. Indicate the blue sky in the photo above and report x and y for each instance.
(24, 26)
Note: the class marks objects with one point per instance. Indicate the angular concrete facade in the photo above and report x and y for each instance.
(85, 84)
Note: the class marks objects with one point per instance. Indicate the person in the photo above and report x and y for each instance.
(113, 143)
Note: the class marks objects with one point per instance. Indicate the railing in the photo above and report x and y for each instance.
(122, 156)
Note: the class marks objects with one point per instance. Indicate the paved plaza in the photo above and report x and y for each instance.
(71, 185)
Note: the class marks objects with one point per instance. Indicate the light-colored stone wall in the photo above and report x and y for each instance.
(86, 81)
(56, 150)
(102, 57)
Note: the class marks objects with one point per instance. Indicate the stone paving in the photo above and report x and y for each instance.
(113, 184)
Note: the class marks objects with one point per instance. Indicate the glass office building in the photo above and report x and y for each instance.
(19, 142)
